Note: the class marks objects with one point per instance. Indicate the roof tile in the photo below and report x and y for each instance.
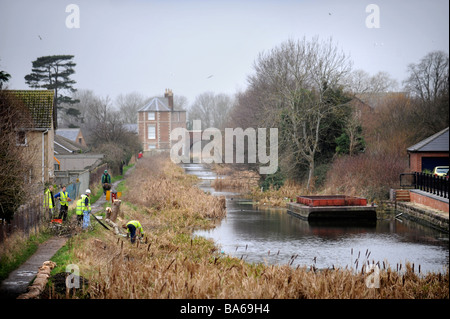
(40, 104)
(156, 105)
(435, 143)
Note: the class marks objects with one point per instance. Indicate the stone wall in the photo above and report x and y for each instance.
(424, 215)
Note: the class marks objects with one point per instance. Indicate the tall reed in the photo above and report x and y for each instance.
(170, 263)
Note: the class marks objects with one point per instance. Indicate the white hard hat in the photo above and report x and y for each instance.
(88, 191)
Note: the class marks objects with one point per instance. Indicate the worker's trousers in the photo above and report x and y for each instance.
(86, 219)
(63, 212)
(132, 230)
(80, 220)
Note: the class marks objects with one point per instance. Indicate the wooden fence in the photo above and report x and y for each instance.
(28, 218)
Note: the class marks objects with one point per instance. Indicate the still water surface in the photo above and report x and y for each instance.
(272, 236)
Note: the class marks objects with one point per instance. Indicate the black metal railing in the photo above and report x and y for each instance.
(436, 185)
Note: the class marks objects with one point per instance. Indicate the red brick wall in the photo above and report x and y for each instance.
(428, 201)
(163, 128)
(415, 160)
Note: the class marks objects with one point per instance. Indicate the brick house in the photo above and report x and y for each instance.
(156, 120)
(38, 141)
(429, 153)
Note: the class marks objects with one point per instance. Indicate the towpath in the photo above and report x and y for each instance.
(19, 279)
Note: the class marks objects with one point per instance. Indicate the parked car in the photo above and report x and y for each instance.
(440, 170)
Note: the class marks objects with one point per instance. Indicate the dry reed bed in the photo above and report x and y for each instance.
(168, 263)
(160, 185)
(278, 197)
(191, 270)
(237, 180)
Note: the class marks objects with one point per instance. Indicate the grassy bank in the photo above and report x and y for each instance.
(170, 263)
(16, 249)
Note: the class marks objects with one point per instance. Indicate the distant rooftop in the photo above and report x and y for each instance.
(69, 133)
(157, 104)
(435, 143)
(63, 146)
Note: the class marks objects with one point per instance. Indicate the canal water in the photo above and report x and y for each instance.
(272, 236)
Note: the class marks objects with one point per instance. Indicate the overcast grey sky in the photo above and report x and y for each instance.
(192, 47)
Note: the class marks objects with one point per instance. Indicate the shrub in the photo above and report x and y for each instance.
(370, 174)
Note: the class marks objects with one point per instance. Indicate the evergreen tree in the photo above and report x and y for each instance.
(4, 77)
(53, 73)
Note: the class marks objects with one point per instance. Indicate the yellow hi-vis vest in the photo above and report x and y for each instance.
(136, 224)
(81, 206)
(48, 199)
(63, 198)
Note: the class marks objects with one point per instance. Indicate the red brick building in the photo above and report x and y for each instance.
(429, 153)
(156, 120)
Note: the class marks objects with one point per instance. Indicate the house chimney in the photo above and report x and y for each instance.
(169, 95)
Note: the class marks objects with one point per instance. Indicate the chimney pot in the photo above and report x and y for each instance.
(169, 95)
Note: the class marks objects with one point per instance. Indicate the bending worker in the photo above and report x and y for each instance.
(133, 226)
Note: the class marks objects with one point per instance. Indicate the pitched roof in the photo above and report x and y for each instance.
(69, 133)
(40, 104)
(64, 146)
(435, 143)
(156, 104)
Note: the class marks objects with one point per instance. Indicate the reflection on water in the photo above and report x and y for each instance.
(272, 236)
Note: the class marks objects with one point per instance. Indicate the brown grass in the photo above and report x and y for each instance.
(170, 268)
(160, 185)
(227, 178)
(169, 263)
(278, 197)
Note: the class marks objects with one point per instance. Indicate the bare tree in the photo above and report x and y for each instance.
(360, 81)
(180, 102)
(297, 80)
(15, 159)
(128, 106)
(87, 100)
(108, 135)
(382, 82)
(212, 109)
(429, 78)
(107, 123)
(428, 84)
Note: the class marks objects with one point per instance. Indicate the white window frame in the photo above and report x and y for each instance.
(151, 146)
(151, 116)
(151, 132)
